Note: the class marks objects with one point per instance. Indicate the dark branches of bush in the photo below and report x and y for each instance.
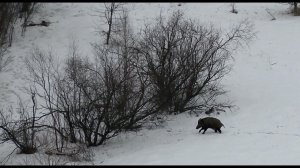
(185, 61)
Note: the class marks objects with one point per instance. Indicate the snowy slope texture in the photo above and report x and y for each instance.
(263, 129)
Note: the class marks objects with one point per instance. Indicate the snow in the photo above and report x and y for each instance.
(264, 83)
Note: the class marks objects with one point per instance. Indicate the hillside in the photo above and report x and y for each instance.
(263, 128)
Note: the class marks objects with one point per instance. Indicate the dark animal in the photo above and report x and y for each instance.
(43, 23)
(209, 122)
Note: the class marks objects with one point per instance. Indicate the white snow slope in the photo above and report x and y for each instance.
(264, 84)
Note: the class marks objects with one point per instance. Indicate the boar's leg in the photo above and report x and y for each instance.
(216, 130)
(200, 130)
(204, 130)
(220, 130)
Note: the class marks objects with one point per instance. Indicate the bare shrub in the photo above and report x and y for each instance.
(21, 132)
(45, 79)
(74, 152)
(44, 140)
(9, 14)
(91, 101)
(175, 66)
(67, 96)
(42, 159)
(185, 61)
(82, 154)
(27, 11)
(130, 101)
(8, 17)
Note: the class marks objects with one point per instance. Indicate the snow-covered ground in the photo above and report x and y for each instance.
(264, 84)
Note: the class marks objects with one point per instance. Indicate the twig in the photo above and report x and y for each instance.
(273, 18)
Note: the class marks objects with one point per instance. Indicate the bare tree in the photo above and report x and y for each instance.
(120, 61)
(116, 92)
(47, 80)
(110, 10)
(109, 95)
(233, 10)
(27, 11)
(9, 14)
(176, 65)
(44, 78)
(8, 17)
(186, 61)
(92, 100)
(110, 14)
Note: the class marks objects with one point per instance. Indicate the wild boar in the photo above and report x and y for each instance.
(209, 122)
